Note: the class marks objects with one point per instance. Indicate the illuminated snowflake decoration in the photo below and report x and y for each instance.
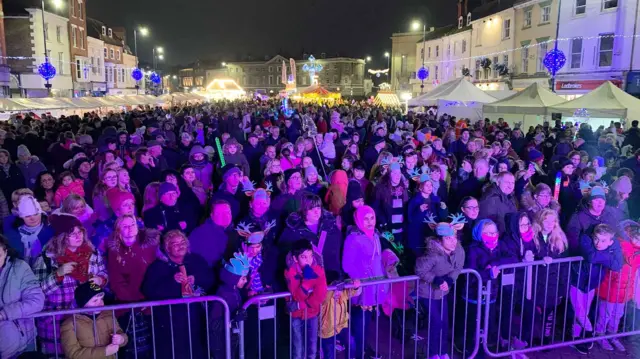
(47, 70)
(423, 73)
(554, 60)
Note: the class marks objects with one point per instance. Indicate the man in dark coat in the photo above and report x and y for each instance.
(370, 155)
(459, 146)
(166, 215)
(253, 150)
(145, 170)
(231, 191)
(498, 200)
(632, 136)
(215, 239)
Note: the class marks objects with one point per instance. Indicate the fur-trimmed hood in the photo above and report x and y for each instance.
(529, 204)
(147, 237)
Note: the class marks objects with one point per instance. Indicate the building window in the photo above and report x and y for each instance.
(506, 28)
(609, 4)
(59, 34)
(110, 32)
(99, 66)
(46, 31)
(81, 38)
(605, 50)
(495, 62)
(581, 7)
(545, 14)
(455, 47)
(270, 78)
(80, 10)
(118, 55)
(105, 53)
(73, 9)
(464, 46)
(448, 49)
(60, 63)
(422, 53)
(93, 65)
(435, 70)
(429, 52)
(111, 53)
(525, 60)
(505, 60)
(478, 37)
(576, 53)
(270, 68)
(437, 50)
(542, 51)
(527, 18)
(104, 31)
(74, 36)
(78, 69)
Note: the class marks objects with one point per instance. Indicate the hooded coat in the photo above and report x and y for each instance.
(417, 229)
(20, 296)
(619, 286)
(203, 169)
(495, 205)
(31, 169)
(588, 274)
(436, 267)
(83, 337)
(363, 260)
(296, 229)
(15, 237)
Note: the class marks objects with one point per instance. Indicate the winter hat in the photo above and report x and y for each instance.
(229, 169)
(622, 185)
(354, 191)
(85, 292)
(424, 178)
(63, 223)
(476, 233)
(153, 143)
(535, 155)
(597, 192)
(28, 206)
(344, 136)
(197, 149)
(600, 161)
(252, 134)
(310, 170)
(238, 265)
(564, 161)
(359, 165)
(116, 197)
(445, 230)
(376, 140)
(290, 172)
(166, 187)
(23, 151)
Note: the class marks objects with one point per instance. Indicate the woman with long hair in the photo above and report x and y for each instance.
(381, 166)
(126, 184)
(45, 189)
(77, 206)
(20, 296)
(537, 199)
(150, 198)
(71, 256)
(188, 174)
(108, 180)
(274, 174)
(390, 200)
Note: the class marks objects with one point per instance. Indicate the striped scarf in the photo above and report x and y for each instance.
(256, 282)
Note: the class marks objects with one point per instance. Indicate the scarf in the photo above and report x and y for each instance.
(30, 241)
(527, 236)
(256, 281)
(5, 168)
(82, 256)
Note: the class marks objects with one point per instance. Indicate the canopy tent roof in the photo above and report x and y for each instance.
(315, 89)
(56, 103)
(534, 100)
(224, 85)
(606, 101)
(181, 96)
(386, 98)
(457, 90)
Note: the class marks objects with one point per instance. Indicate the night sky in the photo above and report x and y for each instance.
(225, 29)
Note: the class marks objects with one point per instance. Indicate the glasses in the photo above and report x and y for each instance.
(110, 178)
(471, 208)
(525, 225)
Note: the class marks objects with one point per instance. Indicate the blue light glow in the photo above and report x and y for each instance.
(47, 70)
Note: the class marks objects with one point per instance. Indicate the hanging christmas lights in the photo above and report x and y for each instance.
(423, 73)
(137, 74)
(155, 78)
(47, 70)
(554, 60)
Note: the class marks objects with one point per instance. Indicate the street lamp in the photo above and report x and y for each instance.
(386, 54)
(415, 26)
(160, 57)
(144, 32)
(368, 58)
(159, 50)
(56, 4)
(175, 77)
(224, 64)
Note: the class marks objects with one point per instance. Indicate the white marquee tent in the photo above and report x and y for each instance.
(457, 97)
(527, 105)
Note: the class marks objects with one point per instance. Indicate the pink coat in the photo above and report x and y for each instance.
(76, 187)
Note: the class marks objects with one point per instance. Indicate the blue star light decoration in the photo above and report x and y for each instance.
(422, 74)
(47, 70)
(554, 60)
(155, 78)
(137, 74)
(312, 67)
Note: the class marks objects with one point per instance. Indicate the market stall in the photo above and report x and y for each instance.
(316, 93)
(387, 99)
(530, 106)
(224, 89)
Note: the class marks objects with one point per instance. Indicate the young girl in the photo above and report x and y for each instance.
(68, 185)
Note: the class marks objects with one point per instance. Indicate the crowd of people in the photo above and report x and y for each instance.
(238, 199)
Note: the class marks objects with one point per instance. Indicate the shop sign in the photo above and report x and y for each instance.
(583, 85)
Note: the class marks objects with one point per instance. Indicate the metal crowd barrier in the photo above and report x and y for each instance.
(543, 308)
(405, 331)
(178, 328)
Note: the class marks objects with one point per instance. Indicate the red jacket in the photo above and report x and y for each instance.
(76, 187)
(618, 287)
(309, 293)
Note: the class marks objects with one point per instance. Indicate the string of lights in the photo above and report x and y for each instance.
(56, 62)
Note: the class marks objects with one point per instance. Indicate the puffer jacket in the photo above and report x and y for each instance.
(20, 296)
(618, 286)
(495, 205)
(308, 293)
(588, 274)
(583, 221)
(79, 342)
(296, 229)
(436, 267)
(30, 170)
(363, 260)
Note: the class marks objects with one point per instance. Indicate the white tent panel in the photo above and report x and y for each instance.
(459, 90)
(534, 100)
(606, 101)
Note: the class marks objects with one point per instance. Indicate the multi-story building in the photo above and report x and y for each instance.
(4, 69)
(97, 76)
(113, 54)
(600, 46)
(429, 50)
(492, 44)
(26, 34)
(80, 63)
(194, 77)
(404, 60)
(535, 29)
(338, 74)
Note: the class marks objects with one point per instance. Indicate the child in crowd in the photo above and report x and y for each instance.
(68, 185)
(334, 331)
(601, 253)
(308, 286)
(95, 335)
(617, 287)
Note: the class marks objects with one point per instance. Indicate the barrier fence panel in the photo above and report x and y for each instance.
(186, 328)
(545, 305)
(388, 318)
